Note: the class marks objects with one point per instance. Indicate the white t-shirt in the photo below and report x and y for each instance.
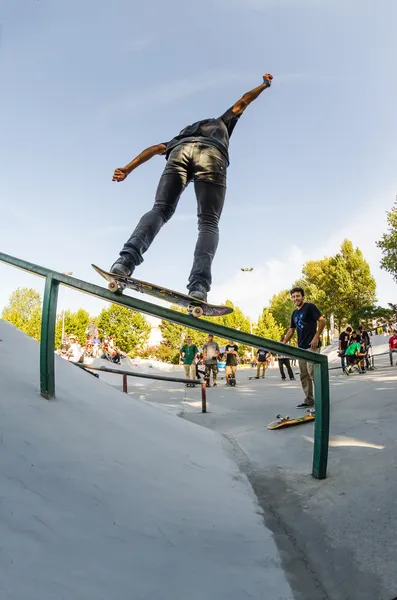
(75, 351)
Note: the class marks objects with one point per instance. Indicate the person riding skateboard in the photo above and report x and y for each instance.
(199, 153)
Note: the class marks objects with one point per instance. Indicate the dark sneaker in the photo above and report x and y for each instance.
(199, 295)
(123, 266)
(304, 405)
(292, 378)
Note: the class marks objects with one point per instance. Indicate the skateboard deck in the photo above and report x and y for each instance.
(196, 308)
(260, 377)
(231, 380)
(286, 421)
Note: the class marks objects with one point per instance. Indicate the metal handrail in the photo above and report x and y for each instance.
(47, 349)
(126, 373)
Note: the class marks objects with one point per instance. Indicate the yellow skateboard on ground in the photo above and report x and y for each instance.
(286, 421)
(196, 308)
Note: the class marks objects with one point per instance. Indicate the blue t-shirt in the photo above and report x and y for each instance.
(304, 320)
(212, 132)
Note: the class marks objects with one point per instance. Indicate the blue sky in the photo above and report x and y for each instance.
(86, 86)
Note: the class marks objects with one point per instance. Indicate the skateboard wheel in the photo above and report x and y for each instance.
(197, 311)
(113, 286)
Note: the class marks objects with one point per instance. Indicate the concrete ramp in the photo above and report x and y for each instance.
(104, 497)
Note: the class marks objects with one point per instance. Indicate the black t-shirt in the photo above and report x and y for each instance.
(364, 338)
(231, 359)
(262, 354)
(304, 320)
(344, 339)
(212, 132)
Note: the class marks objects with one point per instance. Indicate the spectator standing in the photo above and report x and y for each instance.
(188, 354)
(392, 346)
(344, 340)
(365, 342)
(231, 351)
(90, 331)
(210, 358)
(284, 361)
(309, 324)
(261, 355)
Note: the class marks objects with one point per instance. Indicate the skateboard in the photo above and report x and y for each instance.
(261, 377)
(196, 308)
(231, 380)
(288, 422)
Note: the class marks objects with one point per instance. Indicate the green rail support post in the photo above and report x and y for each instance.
(321, 427)
(47, 346)
(47, 376)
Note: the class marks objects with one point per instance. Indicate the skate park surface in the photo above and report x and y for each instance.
(140, 495)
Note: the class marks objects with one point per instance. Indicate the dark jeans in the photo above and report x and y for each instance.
(391, 352)
(284, 362)
(206, 166)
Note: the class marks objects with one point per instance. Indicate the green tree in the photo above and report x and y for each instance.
(162, 351)
(267, 326)
(24, 311)
(340, 285)
(130, 328)
(75, 322)
(351, 282)
(388, 244)
(175, 335)
(281, 307)
(366, 314)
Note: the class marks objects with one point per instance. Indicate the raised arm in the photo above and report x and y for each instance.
(121, 173)
(240, 106)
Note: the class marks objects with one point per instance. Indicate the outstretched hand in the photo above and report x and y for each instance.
(120, 174)
(267, 79)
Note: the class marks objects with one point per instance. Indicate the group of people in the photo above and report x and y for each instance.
(205, 363)
(353, 350)
(94, 347)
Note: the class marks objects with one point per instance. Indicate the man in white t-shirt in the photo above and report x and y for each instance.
(74, 352)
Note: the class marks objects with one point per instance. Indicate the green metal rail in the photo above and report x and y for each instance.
(47, 347)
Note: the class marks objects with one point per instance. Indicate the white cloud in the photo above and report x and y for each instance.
(362, 225)
(252, 290)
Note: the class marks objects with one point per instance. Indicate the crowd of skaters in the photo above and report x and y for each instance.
(205, 362)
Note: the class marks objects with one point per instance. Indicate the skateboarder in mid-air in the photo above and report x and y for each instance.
(199, 153)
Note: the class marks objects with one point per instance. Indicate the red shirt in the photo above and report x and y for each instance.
(393, 342)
